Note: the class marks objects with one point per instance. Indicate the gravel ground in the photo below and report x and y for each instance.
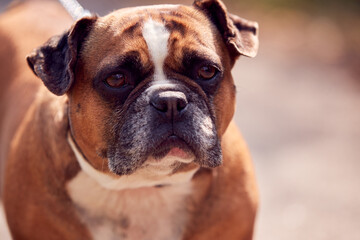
(298, 107)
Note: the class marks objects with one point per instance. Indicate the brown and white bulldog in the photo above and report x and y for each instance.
(139, 142)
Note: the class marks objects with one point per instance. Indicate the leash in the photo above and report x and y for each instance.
(74, 8)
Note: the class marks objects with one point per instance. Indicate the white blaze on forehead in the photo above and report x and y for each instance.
(161, 7)
(156, 36)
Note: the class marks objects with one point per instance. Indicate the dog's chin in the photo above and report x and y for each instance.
(172, 154)
(163, 158)
(167, 150)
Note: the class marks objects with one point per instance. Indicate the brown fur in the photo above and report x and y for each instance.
(34, 124)
(89, 132)
(25, 196)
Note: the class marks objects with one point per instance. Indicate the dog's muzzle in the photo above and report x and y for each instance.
(161, 121)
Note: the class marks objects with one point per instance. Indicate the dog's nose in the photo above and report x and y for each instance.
(169, 103)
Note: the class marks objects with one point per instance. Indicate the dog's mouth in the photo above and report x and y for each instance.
(146, 136)
(173, 146)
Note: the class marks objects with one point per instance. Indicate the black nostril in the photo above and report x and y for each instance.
(169, 102)
(159, 103)
(181, 104)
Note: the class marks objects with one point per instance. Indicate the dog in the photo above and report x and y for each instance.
(129, 132)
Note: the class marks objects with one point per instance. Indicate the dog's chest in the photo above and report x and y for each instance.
(144, 213)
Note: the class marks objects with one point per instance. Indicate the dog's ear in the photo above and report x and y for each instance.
(240, 35)
(55, 61)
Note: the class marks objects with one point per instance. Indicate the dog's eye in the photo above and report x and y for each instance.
(117, 80)
(207, 72)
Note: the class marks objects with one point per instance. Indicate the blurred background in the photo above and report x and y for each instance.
(298, 106)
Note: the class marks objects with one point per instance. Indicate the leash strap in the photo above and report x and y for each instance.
(74, 8)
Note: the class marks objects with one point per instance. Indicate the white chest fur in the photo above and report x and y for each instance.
(143, 213)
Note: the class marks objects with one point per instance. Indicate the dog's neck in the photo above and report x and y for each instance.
(141, 178)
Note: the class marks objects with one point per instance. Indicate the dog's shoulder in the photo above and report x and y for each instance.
(23, 27)
(230, 199)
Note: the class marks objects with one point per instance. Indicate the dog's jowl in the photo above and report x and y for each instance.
(122, 126)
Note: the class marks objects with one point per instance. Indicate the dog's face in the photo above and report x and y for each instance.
(149, 87)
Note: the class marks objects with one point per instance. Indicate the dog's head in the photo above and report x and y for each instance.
(149, 86)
